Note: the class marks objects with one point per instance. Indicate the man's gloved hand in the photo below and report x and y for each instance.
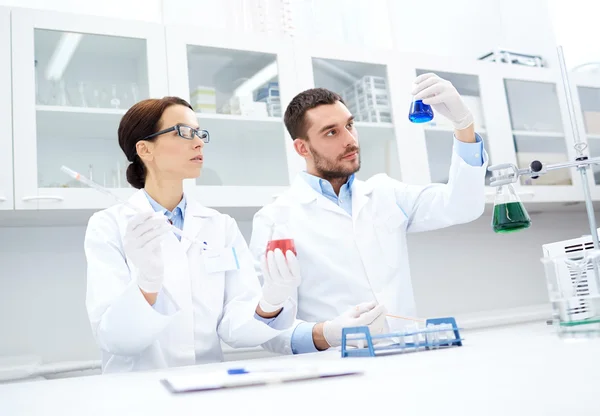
(444, 98)
(366, 314)
(281, 278)
(141, 243)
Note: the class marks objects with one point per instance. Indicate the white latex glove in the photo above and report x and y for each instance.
(444, 98)
(281, 276)
(141, 242)
(366, 314)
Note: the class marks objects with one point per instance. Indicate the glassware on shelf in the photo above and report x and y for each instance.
(115, 102)
(96, 98)
(81, 87)
(135, 92)
(62, 99)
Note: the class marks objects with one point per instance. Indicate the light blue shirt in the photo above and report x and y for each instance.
(471, 153)
(177, 218)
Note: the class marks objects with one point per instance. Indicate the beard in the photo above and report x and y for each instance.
(334, 169)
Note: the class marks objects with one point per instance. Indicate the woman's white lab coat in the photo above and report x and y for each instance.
(198, 306)
(345, 260)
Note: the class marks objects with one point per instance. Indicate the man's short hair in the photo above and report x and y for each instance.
(295, 112)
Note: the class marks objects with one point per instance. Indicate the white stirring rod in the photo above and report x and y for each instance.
(94, 185)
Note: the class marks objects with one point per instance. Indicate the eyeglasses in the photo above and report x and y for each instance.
(185, 132)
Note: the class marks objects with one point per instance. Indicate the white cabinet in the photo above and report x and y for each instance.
(435, 139)
(73, 79)
(239, 88)
(367, 83)
(6, 160)
(540, 129)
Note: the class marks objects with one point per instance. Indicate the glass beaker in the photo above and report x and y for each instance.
(281, 237)
(509, 213)
(420, 112)
(573, 289)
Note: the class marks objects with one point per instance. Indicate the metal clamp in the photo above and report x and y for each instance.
(535, 169)
(42, 198)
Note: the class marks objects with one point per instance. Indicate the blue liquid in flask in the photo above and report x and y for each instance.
(419, 112)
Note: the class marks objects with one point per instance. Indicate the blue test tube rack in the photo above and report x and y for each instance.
(371, 350)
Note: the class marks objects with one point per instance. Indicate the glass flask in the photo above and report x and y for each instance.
(420, 112)
(280, 234)
(509, 213)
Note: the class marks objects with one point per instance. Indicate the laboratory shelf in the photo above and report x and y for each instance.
(531, 133)
(593, 136)
(78, 123)
(370, 125)
(448, 129)
(79, 110)
(235, 117)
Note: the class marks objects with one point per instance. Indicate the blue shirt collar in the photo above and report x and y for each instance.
(179, 209)
(323, 186)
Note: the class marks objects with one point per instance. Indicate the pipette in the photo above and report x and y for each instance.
(94, 185)
(407, 318)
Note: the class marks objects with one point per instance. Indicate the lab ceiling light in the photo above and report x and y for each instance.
(257, 80)
(62, 55)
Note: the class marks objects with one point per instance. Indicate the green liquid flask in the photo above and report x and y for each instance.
(509, 213)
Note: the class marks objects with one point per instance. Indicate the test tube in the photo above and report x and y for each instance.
(450, 333)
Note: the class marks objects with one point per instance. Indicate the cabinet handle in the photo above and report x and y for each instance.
(2, 199)
(43, 197)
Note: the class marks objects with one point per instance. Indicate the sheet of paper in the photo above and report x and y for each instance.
(182, 383)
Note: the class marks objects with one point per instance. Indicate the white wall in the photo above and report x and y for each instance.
(472, 28)
(577, 30)
(462, 28)
(42, 282)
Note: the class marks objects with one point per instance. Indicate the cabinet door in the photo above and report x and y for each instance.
(366, 82)
(6, 139)
(239, 88)
(541, 130)
(73, 79)
(437, 135)
(586, 99)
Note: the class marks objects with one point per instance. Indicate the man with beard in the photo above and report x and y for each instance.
(350, 235)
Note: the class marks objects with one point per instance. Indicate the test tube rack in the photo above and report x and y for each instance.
(422, 339)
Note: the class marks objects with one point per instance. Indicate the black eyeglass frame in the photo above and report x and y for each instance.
(197, 132)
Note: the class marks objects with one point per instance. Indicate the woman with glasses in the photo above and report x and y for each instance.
(171, 279)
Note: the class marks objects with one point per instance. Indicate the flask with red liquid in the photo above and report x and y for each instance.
(281, 237)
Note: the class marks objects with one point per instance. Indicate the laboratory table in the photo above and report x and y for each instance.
(514, 370)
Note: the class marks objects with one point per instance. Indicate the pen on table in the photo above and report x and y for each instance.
(233, 371)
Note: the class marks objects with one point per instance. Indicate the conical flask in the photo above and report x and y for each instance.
(281, 237)
(509, 213)
(420, 112)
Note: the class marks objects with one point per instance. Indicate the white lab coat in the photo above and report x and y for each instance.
(345, 260)
(177, 331)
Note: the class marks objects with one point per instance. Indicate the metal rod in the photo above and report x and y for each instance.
(568, 95)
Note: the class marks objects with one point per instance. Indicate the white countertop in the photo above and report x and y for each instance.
(516, 370)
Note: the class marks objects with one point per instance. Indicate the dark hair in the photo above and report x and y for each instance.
(140, 121)
(301, 103)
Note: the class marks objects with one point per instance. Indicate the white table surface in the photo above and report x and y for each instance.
(514, 370)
